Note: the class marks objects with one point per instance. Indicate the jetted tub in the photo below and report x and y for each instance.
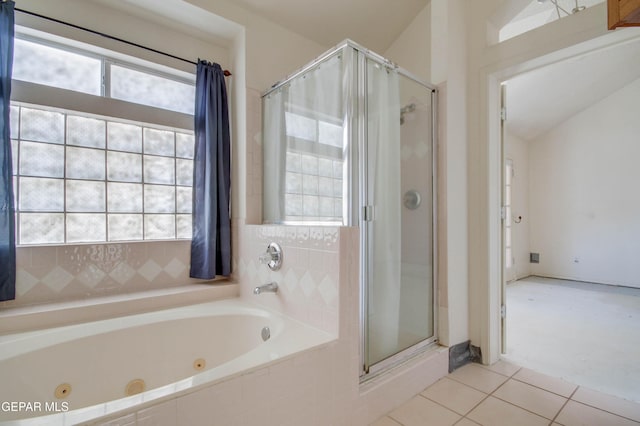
(72, 374)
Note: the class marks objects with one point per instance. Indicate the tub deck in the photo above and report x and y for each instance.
(162, 348)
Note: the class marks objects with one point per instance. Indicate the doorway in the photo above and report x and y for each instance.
(573, 156)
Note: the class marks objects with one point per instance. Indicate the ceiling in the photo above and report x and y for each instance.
(539, 100)
(373, 23)
(530, 14)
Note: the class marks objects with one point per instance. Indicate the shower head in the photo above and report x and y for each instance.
(405, 109)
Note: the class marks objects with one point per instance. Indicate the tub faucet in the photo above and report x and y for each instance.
(271, 287)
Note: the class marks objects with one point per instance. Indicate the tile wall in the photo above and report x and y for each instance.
(48, 274)
(308, 281)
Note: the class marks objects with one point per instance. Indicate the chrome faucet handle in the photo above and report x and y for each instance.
(272, 257)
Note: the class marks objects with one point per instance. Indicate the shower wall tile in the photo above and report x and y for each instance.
(309, 279)
(62, 273)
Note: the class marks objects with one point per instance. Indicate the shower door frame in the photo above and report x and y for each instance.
(361, 213)
(355, 168)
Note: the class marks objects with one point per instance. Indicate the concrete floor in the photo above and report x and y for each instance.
(587, 334)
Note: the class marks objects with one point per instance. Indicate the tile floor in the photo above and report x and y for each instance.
(506, 394)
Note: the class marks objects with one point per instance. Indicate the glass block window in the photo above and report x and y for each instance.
(80, 178)
(314, 169)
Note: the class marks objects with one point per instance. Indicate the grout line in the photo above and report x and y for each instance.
(479, 390)
(564, 405)
(487, 367)
(437, 403)
(523, 408)
(547, 390)
(392, 418)
(601, 409)
(444, 406)
(467, 419)
(526, 409)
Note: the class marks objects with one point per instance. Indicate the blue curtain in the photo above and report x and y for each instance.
(7, 220)
(211, 241)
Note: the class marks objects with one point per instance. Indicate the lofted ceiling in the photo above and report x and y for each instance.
(373, 23)
(539, 100)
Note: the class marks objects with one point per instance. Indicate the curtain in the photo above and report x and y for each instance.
(385, 233)
(7, 218)
(302, 139)
(275, 156)
(211, 241)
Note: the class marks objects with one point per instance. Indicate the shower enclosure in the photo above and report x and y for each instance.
(350, 140)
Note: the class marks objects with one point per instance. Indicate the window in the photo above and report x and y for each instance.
(131, 85)
(537, 13)
(51, 64)
(88, 177)
(34, 62)
(508, 224)
(84, 178)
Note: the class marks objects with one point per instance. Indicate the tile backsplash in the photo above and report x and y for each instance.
(61, 273)
(309, 279)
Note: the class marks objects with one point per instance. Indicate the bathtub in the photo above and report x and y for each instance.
(76, 373)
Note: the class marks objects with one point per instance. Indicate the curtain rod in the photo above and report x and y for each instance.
(226, 72)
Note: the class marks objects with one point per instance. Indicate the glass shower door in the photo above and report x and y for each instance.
(397, 216)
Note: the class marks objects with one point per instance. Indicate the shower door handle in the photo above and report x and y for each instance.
(367, 213)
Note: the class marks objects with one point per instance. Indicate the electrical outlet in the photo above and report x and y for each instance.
(534, 257)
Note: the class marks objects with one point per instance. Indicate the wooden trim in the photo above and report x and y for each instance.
(623, 13)
(613, 12)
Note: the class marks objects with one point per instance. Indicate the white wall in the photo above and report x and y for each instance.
(449, 71)
(585, 200)
(272, 51)
(412, 49)
(517, 150)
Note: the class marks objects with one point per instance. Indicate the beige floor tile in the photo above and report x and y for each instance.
(576, 414)
(420, 411)
(466, 422)
(621, 407)
(503, 367)
(385, 421)
(454, 395)
(552, 384)
(530, 398)
(478, 378)
(494, 412)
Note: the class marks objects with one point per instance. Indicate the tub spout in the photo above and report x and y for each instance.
(271, 287)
